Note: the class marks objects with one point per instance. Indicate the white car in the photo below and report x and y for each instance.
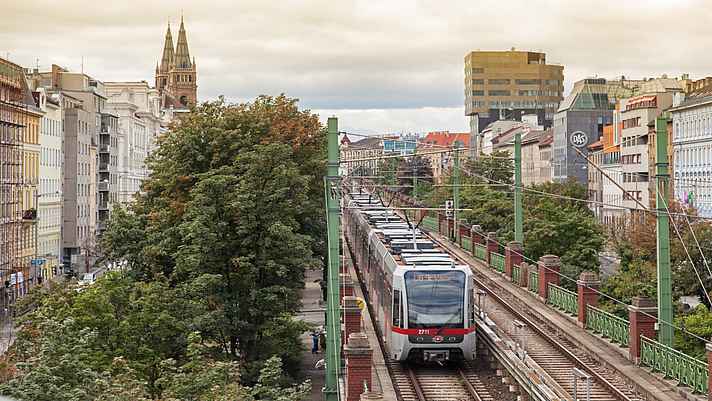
(87, 278)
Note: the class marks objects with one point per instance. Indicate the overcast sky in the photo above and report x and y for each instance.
(380, 66)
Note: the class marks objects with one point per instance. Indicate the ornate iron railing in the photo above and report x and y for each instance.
(516, 273)
(563, 299)
(498, 262)
(430, 223)
(466, 243)
(673, 364)
(608, 325)
(480, 252)
(534, 281)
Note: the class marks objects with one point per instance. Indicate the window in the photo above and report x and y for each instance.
(498, 81)
(477, 71)
(554, 82)
(527, 81)
(527, 105)
(499, 93)
(477, 104)
(552, 104)
(478, 93)
(557, 71)
(528, 93)
(477, 82)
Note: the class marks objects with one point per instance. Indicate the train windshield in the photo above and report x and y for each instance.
(435, 299)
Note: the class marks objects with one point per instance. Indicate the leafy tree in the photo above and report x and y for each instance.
(415, 166)
(232, 214)
(242, 248)
(496, 168)
(143, 323)
(699, 323)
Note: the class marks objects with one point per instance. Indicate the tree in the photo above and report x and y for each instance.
(418, 166)
(242, 248)
(496, 168)
(232, 214)
(699, 323)
(144, 323)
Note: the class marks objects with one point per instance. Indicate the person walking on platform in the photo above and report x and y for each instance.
(315, 338)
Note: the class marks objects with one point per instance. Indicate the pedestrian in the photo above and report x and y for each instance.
(315, 338)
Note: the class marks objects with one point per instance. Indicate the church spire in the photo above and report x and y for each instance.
(168, 52)
(182, 57)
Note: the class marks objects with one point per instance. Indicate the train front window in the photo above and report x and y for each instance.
(435, 299)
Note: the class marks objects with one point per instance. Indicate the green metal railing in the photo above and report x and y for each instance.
(563, 299)
(516, 273)
(673, 364)
(430, 222)
(608, 325)
(534, 281)
(480, 252)
(498, 262)
(466, 243)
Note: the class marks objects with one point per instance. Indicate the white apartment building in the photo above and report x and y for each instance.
(692, 147)
(635, 114)
(49, 201)
(138, 108)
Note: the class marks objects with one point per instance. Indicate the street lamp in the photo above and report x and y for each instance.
(37, 226)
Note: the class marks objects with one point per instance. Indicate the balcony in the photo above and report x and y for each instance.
(103, 167)
(104, 148)
(103, 186)
(29, 217)
(103, 205)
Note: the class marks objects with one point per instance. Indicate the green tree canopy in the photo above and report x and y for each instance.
(232, 213)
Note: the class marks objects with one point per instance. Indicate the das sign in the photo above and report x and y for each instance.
(578, 139)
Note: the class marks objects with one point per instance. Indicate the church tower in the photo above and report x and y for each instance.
(176, 76)
(166, 61)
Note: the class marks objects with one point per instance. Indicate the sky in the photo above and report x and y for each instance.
(380, 66)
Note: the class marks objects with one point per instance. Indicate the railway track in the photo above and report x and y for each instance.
(452, 382)
(545, 347)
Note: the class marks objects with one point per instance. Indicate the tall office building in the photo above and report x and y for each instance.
(502, 85)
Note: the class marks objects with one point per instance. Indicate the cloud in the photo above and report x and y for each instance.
(358, 55)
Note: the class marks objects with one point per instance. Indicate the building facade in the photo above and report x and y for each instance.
(49, 199)
(692, 145)
(138, 109)
(502, 85)
(580, 120)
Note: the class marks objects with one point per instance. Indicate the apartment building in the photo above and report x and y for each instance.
(49, 198)
(139, 114)
(637, 114)
(692, 147)
(502, 85)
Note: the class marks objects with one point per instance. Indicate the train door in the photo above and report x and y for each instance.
(397, 321)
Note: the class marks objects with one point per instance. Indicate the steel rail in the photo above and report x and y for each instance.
(575, 360)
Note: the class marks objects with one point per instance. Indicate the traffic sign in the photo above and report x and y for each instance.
(37, 262)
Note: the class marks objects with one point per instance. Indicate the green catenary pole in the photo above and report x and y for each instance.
(518, 224)
(456, 190)
(415, 175)
(667, 335)
(333, 326)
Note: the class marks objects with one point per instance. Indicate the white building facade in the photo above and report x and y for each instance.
(49, 236)
(138, 108)
(692, 145)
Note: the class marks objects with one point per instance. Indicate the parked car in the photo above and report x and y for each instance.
(87, 278)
